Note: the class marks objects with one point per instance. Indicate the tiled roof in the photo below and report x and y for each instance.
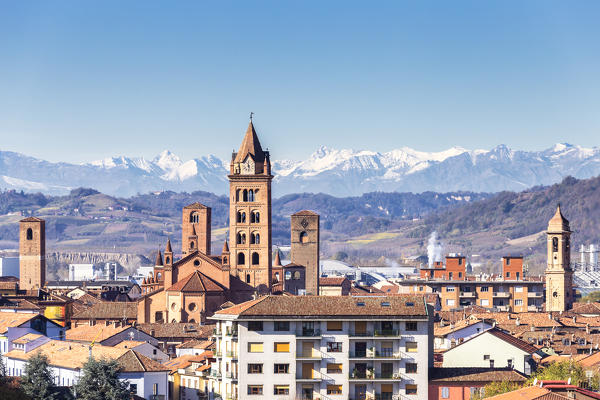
(196, 344)
(526, 393)
(306, 212)
(14, 319)
(449, 328)
(463, 374)
(332, 280)
(591, 360)
(177, 330)
(329, 306)
(184, 361)
(18, 304)
(31, 219)
(133, 361)
(86, 333)
(8, 285)
(518, 343)
(27, 338)
(195, 206)
(128, 344)
(250, 145)
(586, 308)
(196, 282)
(109, 310)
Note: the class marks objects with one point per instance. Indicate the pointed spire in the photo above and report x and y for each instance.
(159, 260)
(558, 221)
(277, 258)
(168, 249)
(250, 145)
(225, 248)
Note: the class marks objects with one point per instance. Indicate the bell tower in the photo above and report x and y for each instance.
(250, 213)
(32, 253)
(559, 276)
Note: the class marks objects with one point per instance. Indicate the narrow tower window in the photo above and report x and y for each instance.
(554, 244)
(29, 234)
(250, 195)
(194, 218)
(241, 259)
(255, 259)
(303, 237)
(245, 195)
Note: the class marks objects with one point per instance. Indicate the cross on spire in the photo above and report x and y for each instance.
(251, 114)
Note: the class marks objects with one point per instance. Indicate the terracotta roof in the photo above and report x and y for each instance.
(462, 374)
(176, 330)
(558, 222)
(591, 360)
(159, 260)
(195, 206)
(526, 393)
(132, 361)
(332, 280)
(109, 310)
(390, 289)
(86, 333)
(449, 328)
(14, 319)
(196, 344)
(31, 219)
(8, 285)
(518, 343)
(225, 247)
(184, 361)
(329, 306)
(586, 308)
(196, 282)
(306, 212)
(18, 304)
(277, 261)
(250, 146)
(168, 249)
(27, 338)
(128, 344)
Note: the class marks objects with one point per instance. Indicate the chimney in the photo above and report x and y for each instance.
(517, 322)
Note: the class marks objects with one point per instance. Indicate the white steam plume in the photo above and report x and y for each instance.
(434, 249)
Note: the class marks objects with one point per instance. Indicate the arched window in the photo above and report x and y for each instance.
(554, 244)
(194, 217)
(241, 238)
(247, 278)
(257, 238)
(159, 276)
(237, 195)
(303, 237)
(241, 259)
(29, 234)
(245, 195)
(191, 245)
(241, 217)
(256, 217)
(288, 275)
(250, 195)
(167, 259)
(255, 258)
(276, 276)
(297, 275)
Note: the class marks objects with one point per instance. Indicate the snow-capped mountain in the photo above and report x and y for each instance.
(336, 172)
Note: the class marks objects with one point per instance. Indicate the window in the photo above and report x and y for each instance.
(411, 368)
(485, 302)
(255, 368)
(450, 302)
(29, 234)
(282, 326)
(255, 326)
(450, 274)
(518, 302)
(250, 195)
(245, 195)
(281, 368)
(334, 325)
(519, 289)
(192, 306)
(334, 368)
(241, 217)
(132, 388)
(486, 356)
(450, 288)
(518, 275)
(247, 278)
(296, 275)
(445, 393)
(484, 289)
(554, 243)
(281, 347)
(303, 237)
(241, 258)
(281, 389)
(155, 389)
(194, 218)
(460, 274)
(255, 259)
(241, 238)
(411, 389)
(276, 276)
(334, 389)
(411, 326)
(508, 274)
(288, 275)
(254, 217)
(509, 363)
(191, 245)
(255, 389)
(255, 347)
(334, 347)
(411, 347)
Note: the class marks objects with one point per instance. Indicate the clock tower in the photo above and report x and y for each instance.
(559, 276)
(250, 213)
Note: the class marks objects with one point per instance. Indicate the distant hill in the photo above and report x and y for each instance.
(336, 172)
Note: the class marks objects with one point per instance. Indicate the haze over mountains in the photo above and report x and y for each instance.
(335, 172)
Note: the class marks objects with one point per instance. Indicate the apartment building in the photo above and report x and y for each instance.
(508, 291)
(320, 347)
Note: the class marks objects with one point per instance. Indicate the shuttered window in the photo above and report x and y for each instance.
(255, 347)
(334, 389)
(411, 347)
(282, 347)
(281, 389)
(334, 368)
(334, 325)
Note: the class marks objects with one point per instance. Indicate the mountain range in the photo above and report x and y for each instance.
(335, 172)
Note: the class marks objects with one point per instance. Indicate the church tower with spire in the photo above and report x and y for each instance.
(559, 276)
(250, 213)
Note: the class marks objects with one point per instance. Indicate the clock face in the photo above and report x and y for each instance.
(247, 167)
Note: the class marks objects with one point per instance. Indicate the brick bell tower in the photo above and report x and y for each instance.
(559, 276)
(32, 253)
(305, 247)
(250, 213)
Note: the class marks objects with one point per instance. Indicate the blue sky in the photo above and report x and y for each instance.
(82, 80)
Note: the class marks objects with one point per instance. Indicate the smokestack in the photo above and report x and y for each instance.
(434, 249)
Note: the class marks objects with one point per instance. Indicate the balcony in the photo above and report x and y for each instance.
(231, 375)
(502, 308)
(468, 294)
(216, 332)
(218, 354)
(502, 294)
(535, 295)
(309, 333)
(386, 332)
(215, 374)
(534, 308)
(371, 376)
(231, 354)
(316, 377)
(231, 332)
(370, 354)
(309, 355)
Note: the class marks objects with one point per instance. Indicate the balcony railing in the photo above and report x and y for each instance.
(215, 374)
(309, 333)
(230, 375)
(535, 294)
(501, 294)
(314, 354)
(383, 353)
(231, 354)
(376, 333)
(368, 375)
(231, 332)
(467, 294)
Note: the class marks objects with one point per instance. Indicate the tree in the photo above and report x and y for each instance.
(38, 381)
(565, 370)
(100, 381)
(2, 370)
(496, 388)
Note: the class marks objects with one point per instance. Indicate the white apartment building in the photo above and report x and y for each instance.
(326, 348)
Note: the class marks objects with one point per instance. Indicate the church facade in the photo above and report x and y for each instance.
(197, 284)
